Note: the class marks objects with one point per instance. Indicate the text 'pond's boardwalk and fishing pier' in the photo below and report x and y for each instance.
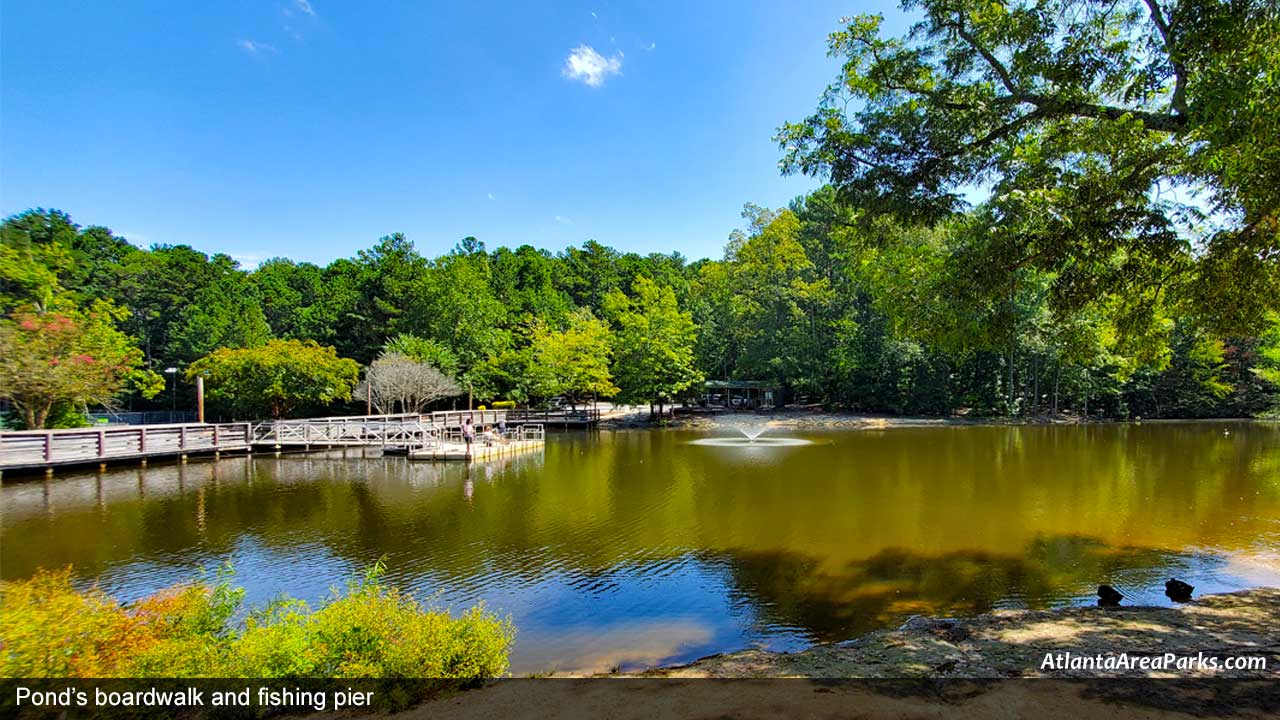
(431, 436)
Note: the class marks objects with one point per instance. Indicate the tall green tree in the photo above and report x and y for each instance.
(432, 352)
(1076, 114)
(226, 313)
(573, 361)
(654, 349)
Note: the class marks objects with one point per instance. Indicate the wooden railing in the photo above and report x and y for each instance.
(385, 431)
(455, 418)
(555, 417)
(34, 448)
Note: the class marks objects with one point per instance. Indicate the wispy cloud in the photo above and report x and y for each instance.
(296, 9)
(491, 197)
(589, 66)
(652, 46)
(563, 220)
(248, 261)
(253, 47)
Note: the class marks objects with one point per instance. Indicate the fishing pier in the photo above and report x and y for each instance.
(428, 436)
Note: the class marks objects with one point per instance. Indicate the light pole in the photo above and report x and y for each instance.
(172, 372)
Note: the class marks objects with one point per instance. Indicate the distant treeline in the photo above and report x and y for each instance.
(871, 321)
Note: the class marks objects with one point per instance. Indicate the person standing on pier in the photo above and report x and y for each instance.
(468, 434)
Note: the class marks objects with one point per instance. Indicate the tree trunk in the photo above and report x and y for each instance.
(42, 415)
(1057, 383)
(1086, 394)
(1011, 395)
(1035, 387)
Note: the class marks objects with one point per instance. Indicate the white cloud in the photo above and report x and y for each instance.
(248, 261)
(253, 47)
(589, 66)
(491, 197)
(563, 220)
(652, 46)
(305, 7)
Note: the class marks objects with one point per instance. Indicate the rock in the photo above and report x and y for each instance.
(1177, 590)
(1108, 596)
(952, 632)
(916, 622)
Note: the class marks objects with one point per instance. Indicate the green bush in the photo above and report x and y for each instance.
(48, 629)
(504, 404)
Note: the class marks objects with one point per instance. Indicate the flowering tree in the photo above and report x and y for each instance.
(68, 357)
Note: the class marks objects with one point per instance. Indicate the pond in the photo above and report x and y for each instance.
(637, 547)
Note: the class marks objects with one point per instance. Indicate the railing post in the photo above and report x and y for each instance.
(102, 443)
(48, 447)
(142, 439)
(215, 436)
(182, 437)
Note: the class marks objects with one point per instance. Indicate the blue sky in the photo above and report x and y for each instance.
(309, 128)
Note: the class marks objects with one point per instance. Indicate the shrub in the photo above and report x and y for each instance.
(48, 629)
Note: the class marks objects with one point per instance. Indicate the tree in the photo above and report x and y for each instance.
(653, 352)
(224, 314)
(34, 255)
(573, 362)
(1078, 116)
(289, 293)
(68, 357)
(276, 377)
(397, 381)
(431, 352)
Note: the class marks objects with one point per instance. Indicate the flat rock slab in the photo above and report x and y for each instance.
(1015, 643)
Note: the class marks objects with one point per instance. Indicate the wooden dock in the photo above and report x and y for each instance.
(436, 436)
(478, 452)
(449, 445)
(34, 449)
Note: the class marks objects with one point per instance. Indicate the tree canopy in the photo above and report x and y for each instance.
(1127, 148)
(276, 378)
(70, 358)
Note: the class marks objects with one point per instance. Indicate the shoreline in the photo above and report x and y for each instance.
(1015, 643)
(823, 419)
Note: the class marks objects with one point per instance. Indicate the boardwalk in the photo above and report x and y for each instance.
(427, 436)
(49, 448)
(564, 417)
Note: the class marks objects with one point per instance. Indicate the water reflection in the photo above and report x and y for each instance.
(607, 536)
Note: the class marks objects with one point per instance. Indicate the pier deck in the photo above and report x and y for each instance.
(434, 436)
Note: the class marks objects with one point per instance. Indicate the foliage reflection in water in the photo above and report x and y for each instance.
(638, 547)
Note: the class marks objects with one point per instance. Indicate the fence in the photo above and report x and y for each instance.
(151, 417)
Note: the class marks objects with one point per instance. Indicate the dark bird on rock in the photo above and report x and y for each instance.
(1177, 590)
(1109, 596)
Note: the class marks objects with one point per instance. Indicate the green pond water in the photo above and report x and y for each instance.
(631, 548)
